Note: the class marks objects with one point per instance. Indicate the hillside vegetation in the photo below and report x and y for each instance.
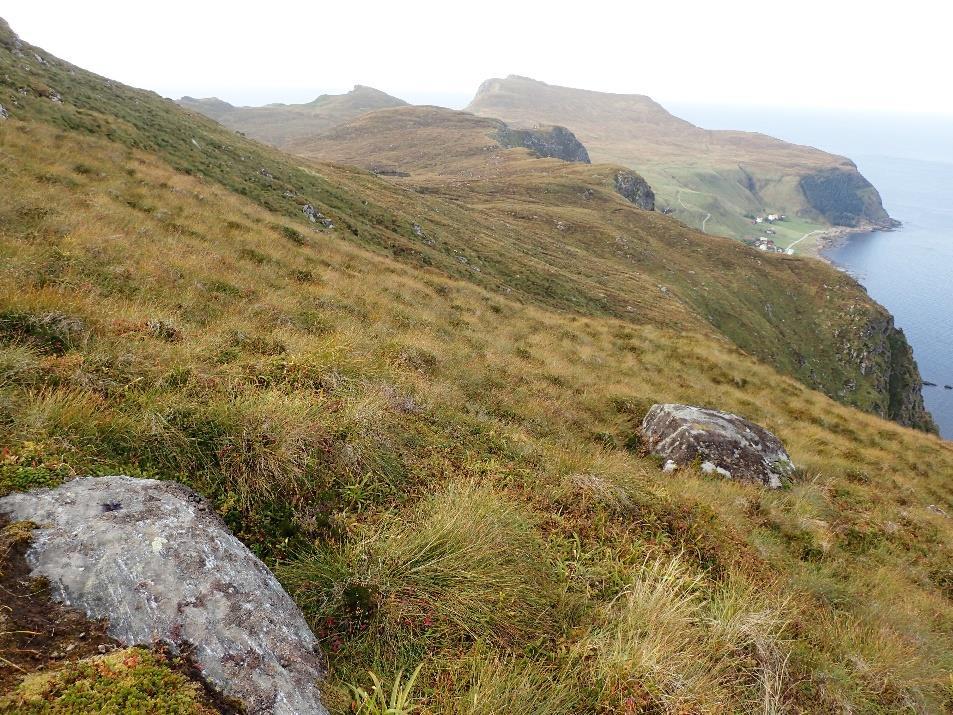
(430, 142)
(430, 435)
(726, 176)
(283, 124)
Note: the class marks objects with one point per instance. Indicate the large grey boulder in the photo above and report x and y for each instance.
(725, 443)
(158, 563)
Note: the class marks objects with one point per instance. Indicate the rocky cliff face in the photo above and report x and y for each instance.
(905, 386)
(886, 358)
(634, 188)
(845, 198)
(545, 142)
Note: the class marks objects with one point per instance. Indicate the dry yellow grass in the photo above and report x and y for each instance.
(439, 461)
(320, 392)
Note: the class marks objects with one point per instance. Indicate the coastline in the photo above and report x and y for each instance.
(837, 235)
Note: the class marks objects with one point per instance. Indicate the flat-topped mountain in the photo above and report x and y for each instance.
(723, 180)
(280, 124)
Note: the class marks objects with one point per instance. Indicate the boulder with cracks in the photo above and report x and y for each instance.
(155, 560)
(723, 443)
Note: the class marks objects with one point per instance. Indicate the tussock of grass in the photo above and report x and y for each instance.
(522, 687)
(466, 565)
(675, 644)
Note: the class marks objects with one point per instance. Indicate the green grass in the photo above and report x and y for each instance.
(446, 473)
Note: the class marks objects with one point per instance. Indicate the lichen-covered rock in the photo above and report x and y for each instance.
(725, 443)
(635, 189)
(158, 563)
(3, 112)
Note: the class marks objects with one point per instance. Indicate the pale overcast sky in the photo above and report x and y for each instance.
(844, 54)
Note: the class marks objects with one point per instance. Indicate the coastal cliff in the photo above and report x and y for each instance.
(894, 385)
(845, 198)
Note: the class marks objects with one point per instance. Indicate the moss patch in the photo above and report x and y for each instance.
(132, 680)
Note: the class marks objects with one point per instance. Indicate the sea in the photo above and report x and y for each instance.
(909, 158)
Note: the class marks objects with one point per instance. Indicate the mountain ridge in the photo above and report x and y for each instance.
(730, 175)
(279, 124)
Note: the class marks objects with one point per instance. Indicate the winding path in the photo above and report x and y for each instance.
(678, 196)
(810, 233)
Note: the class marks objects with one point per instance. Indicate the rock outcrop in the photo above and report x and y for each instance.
(724, 443)
(887, 357)
(315, 216)
(845, 198)
(155, 561)
(545, 142)
(635, 189)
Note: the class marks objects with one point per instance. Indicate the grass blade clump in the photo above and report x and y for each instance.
(522, 687)
(675, 644)
(467, 564)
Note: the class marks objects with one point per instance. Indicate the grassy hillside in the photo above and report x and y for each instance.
(666, 275)
(419, 140)
(430, 143)
(440, 462)
(283, 124)
(712, 180)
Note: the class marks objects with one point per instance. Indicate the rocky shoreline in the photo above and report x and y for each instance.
(837, 235)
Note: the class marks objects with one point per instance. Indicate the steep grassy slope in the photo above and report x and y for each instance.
(753, 299)
(282, 124)
(559, 236)
(349, 418)
(725, 175)
(441, 470)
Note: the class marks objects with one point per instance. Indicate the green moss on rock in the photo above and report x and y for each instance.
(133, 680)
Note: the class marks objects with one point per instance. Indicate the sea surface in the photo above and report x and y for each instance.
(909, 158)
(910, 271)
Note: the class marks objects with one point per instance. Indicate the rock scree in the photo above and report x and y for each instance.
(157, 562)
(725, 443)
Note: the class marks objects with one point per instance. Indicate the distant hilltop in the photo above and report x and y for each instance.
(720, 181)
(281, 124)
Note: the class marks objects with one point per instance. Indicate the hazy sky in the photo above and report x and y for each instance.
(830, 53)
